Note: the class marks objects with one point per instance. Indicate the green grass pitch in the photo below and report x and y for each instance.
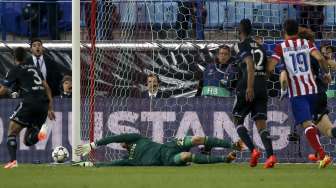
(195, 176)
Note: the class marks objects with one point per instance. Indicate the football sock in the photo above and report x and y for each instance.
(313, 140)
(207, 159)
(12, 146)
(211, 142)
(264, 135)
(42, 135)
(243, 134)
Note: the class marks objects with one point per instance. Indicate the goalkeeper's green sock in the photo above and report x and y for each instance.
(208, 159)
(211, 142)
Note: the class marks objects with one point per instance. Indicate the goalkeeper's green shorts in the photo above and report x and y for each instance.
(170, 153)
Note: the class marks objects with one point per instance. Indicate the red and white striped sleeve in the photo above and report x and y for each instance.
(277, 54)
(311, 46)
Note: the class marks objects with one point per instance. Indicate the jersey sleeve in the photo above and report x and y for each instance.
(11, 77)
(280, 67)
(312, 46)
(244, 51)
(277, 53)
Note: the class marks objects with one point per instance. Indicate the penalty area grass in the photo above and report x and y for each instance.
(194, 176)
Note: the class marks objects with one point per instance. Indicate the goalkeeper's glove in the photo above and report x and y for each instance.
(231, 157)
(85, 149)
(283, 93)
(84, 164)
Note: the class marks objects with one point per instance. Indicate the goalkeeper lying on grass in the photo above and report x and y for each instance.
(144, 152)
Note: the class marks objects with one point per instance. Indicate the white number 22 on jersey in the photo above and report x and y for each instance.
(37, 78)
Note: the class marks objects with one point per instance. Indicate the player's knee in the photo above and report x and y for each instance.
(31, 137)
(197, 140)
(14, 128)
(185, 156)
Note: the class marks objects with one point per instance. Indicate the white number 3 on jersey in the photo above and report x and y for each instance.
(37, 78)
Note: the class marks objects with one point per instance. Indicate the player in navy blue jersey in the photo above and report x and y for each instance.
(251, 93)
(35, 106)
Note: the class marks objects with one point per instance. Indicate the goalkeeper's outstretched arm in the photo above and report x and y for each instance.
(83, 150)
(123, 162)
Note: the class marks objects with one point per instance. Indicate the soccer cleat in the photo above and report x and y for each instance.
(325, 162)
(239, 145)
(84, 164)
(231, 157)
(313, 157)
(270, 162)
(255, 155)
(11, 164)
(83, 150)
(42, 135)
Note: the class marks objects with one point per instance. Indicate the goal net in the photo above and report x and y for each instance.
(132, 46)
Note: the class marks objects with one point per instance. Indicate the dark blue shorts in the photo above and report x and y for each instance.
(303, 108)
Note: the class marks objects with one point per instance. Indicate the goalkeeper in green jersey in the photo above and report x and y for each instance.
(144, 152)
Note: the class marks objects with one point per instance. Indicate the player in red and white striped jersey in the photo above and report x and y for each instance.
(296, 54)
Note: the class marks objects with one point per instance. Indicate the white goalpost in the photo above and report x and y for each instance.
(75, 77)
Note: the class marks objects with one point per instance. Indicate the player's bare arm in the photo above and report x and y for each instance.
(250, 78)
(321, 60)
(271, 65)
(3, 90)
(283, 84)
(283, 80)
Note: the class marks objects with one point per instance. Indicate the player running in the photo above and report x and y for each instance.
(144, 152)
(301, 83)
(34, 108)
(321, 118)
(251, 97)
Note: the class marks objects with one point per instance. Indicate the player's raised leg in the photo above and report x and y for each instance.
(31, 136)
(311, 133)
(303, 108)
(13, 131)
